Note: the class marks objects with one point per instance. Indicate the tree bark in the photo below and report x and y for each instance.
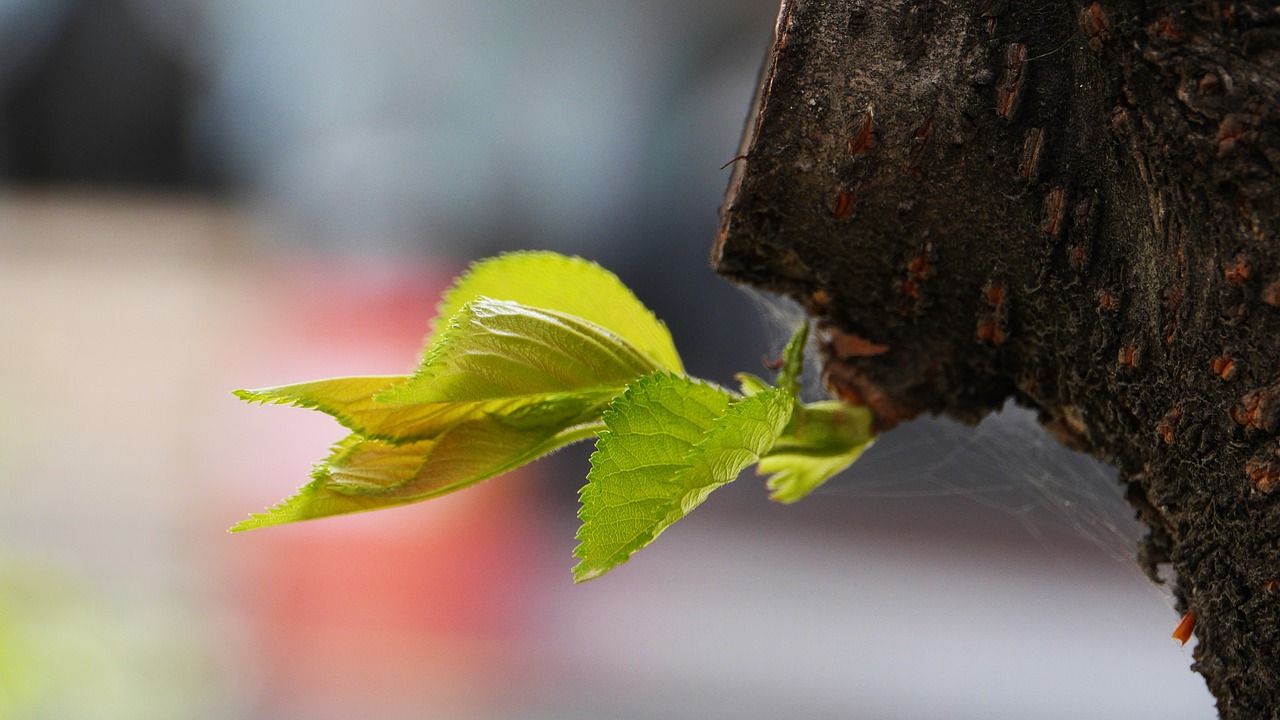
(1072, 204)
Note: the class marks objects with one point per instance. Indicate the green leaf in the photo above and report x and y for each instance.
(506, 384)
(350, 401)
(793, 361)
(363, 474)
(497, 350)
(568, 285)
(531, 366)
(669, 442)
(821, 440)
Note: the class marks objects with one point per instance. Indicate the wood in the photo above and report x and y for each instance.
(1069, 203)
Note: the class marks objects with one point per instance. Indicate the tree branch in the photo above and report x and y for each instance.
(1072, 204)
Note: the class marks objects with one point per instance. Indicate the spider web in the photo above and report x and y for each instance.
(1007, 464)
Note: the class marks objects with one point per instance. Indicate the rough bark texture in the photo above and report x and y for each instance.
(1073, 204)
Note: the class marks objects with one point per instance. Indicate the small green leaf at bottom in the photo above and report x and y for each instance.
(363, 474)
(669, 442)
(822, 439)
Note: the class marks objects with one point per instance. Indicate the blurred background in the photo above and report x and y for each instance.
(200, 195)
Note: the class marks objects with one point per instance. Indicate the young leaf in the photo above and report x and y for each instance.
(496, 349)
(351, 401)
(363, 474)
(528, 365)
(793, 361)
(669, 442)
(568, 285)
(821, 440)
(505, 385)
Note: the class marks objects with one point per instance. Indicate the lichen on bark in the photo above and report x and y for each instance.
(1073, 204)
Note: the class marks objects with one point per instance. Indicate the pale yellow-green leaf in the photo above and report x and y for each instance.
(350, 400)
(568, 285)
(362, 474)
(531, 366)
(496, 349)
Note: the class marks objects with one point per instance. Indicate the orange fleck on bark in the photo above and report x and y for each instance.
(1230, 132)
(1164, 28)
(921, 139)
(1169, 425)
(1257, 410)
(1224, 367)
(1186, 626)
(919, 267)
(861, 139)
(1078, 256)
(989, 331)
(1055, 203)
(1095, 25)
(994, 292)
(1271, 293)
(1030, 160)
(847, 345)
(1265, 474)
(1238, 270)
(1009, 87)
(1106, 301)
(821, 300)
(843, 207)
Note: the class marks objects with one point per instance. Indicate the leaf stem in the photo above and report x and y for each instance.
(580, 432)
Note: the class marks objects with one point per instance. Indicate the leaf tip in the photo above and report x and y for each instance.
(582, 574)
(273, 516)
(251, 396)
(784, 498)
